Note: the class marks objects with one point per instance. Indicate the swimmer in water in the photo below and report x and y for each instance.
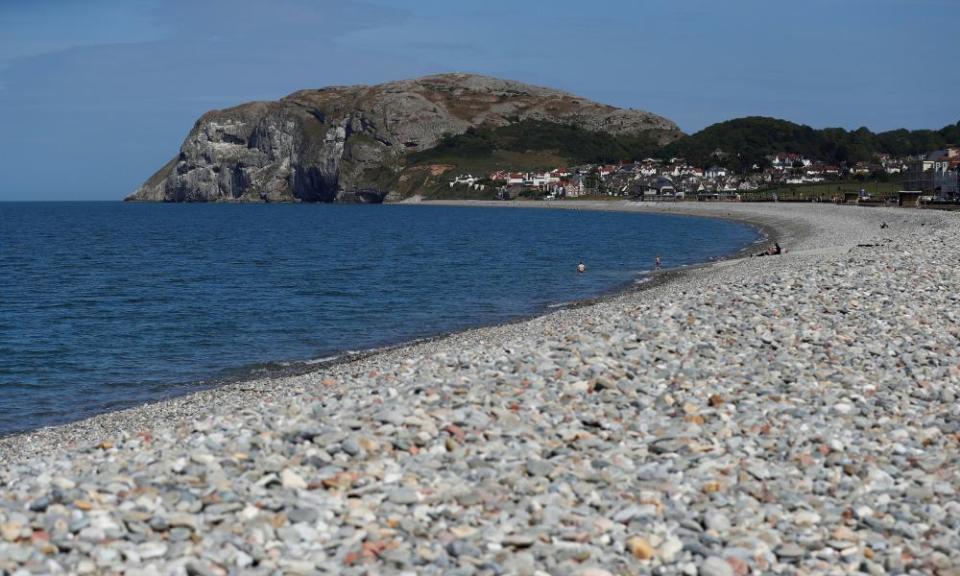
(581, 267)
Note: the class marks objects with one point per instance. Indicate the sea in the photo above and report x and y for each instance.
(106, 305)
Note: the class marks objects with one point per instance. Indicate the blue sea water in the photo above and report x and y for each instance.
(108, 305)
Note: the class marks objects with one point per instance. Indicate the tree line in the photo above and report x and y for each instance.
(738, 144)
(746, 142)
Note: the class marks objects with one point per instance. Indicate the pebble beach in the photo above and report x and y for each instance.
(792, 414)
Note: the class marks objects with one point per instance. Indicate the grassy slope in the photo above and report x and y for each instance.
(525, 146)
(416, 179)
(536, 145)
(753, 138)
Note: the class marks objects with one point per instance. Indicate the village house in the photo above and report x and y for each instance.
(516, 178)
(653, 177)
(664, 186)
(543, 179)
(648, 169)
(466, 179)
(715, 172)
(937, 173)
(786, 161)
(606, 170)
(575, 186)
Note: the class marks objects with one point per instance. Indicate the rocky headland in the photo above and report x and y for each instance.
(791, 414)
(349, 143)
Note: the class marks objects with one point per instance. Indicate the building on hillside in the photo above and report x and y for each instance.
(575, 186)
(715, 172)
(543, 180)
(649, 168)
(936, 174)
(606, 170)
(465, 179)
(860, 168)
(516, 178)
(664, 187)
(788, 160)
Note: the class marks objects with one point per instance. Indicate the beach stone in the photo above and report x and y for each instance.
(196, 567)
(351, 446)
(536, 467)
(716, 566)
(10, 531)
(790, 551)
(92, 535)
(159, 524)
(518, 541)
(670, 549)
(291, 480)
(716, 521)
(180, 534)
(640, 548)
(40, 504)
(593, 572)
(403, 496)
(149, 550)
(308, 515)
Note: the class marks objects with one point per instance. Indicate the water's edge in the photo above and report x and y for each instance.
(275, 370)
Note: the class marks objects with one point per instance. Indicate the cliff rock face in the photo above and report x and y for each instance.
(346, 143)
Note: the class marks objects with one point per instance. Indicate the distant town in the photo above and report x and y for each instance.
(934, 176)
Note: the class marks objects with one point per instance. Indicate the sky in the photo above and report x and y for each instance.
(96, 95)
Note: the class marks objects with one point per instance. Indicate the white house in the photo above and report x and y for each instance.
(785, 161)
(543, 179)
(515, 178)
(715, 172)
(466, 179)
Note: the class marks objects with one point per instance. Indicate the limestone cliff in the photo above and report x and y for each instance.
(347, 143)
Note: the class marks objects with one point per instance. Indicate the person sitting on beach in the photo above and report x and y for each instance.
(581, 267)
(771, 251)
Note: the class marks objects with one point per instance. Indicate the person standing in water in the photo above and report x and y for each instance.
(581, 267)
(658, 263)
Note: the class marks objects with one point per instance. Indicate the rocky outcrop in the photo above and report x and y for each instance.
(347, 143)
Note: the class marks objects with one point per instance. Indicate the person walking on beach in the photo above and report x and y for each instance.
(658, 263)
(581, 267)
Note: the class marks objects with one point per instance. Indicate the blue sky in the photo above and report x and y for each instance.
(96, 95)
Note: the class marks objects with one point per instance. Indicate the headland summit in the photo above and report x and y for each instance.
(353, 143)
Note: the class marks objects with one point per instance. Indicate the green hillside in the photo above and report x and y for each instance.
(538, 145)
(747, 141)
(743, 142)
(522, 146)
(574, 144)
